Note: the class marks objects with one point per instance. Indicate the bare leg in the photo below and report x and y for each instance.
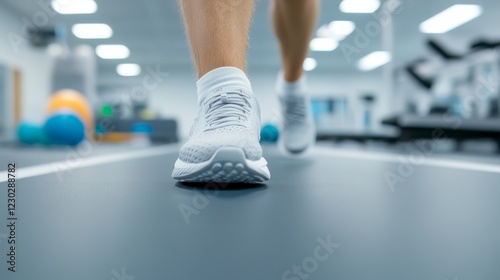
(223, 144)
(294, 22)
(218, 32)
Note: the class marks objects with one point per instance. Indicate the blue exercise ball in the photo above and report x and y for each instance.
(269, 133)
(64, 127)
(30, 133)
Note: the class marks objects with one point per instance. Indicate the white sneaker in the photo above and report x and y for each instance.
(224, 140)
(298, 131)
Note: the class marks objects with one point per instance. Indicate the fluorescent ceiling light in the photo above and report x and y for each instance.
(359, 6)
(450, 18)
(310, 64)
(374, 60)
(324, 32)
(323, 44)
(337, 30)
(112, 51)
(342, 27)
(68, 7)
(128, 69)
(92, 31)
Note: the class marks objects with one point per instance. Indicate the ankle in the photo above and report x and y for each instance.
(221, 79)
(285, 87)
(292, 76)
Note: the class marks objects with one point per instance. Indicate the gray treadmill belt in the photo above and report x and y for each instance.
(123, 220)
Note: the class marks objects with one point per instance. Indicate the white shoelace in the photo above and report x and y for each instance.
(226, 109)
(295, 109)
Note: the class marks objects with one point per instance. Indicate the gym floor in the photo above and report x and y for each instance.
(116, 213)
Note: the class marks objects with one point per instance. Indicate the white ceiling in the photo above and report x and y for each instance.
(153, 31)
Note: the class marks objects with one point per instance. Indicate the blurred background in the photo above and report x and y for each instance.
(388, 71)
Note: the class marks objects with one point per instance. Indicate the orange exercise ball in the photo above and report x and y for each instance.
(73, 100)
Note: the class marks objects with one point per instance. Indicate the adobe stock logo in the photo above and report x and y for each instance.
(310, 264)
(121, 275)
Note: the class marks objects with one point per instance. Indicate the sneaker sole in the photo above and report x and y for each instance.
(227, 165)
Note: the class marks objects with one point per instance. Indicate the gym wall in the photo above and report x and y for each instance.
(33, 64)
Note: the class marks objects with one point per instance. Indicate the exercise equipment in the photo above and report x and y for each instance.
(147, 114)
(437, 127)
(121, 130)
(70, 117)
(107, 111)
(465, 93)
(74, 67)
(443, 76)
(30, 134)
(115, 137)
(368, 101)
(71, 99)
(484, 98)
(142, 127)
(141, 133)
(385, 135)
(269, 133)
(64, 127)
(100, 129)
(464, 84)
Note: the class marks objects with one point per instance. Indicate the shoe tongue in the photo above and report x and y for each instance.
(222, 92)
